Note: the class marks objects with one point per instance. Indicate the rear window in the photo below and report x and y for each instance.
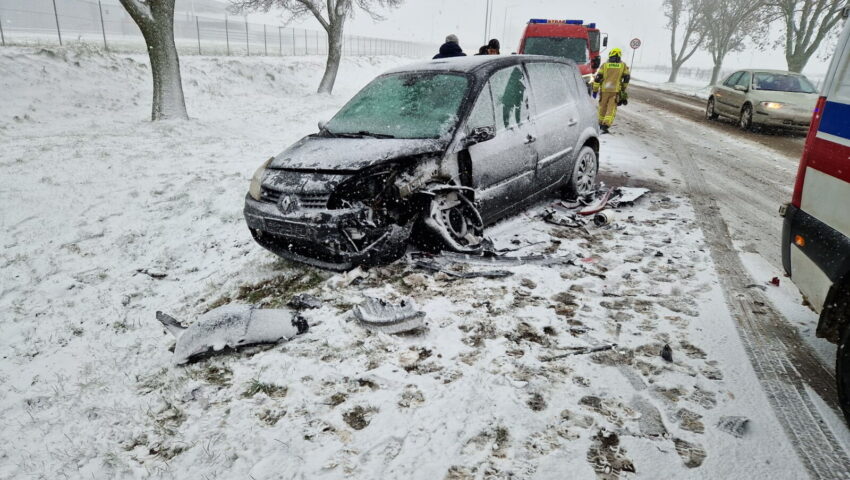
(572, 48)
(779, 82)
(549, 84)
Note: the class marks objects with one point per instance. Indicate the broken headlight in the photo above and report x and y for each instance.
(256, 188)
(374, 188)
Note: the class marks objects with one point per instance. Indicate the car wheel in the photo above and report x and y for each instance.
(710, 113)
(582, 181)
(842, 372)
(452, 223)
(746, 120)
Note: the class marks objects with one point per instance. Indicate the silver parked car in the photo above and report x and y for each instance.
(432, 152)
(768, 98)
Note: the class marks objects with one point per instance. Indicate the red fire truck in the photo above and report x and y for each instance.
(566, 39)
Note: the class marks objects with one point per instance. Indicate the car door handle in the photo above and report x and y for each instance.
(530, 139)
(573, 122)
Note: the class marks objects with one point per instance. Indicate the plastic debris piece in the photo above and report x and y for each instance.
(733, 425)
(304, 301)
(435, 267)
(378, 315)
(774, 281)
(231, 326)
(598, 205)
(626, 195)
(667, 353)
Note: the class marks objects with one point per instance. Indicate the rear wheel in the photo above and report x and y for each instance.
(746, 120)
(710, 112)
(842, 372)
(582, 181)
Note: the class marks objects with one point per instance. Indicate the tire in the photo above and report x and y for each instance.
(842, 372)
(710, 112)
(582, 179)
(451, 222)
(745, 122)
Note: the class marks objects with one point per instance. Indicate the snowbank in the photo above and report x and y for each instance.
(107, 218)
(691, 87)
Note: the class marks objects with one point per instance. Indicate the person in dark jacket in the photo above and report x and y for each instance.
(484, 50)
(493, 47)
(450, 49)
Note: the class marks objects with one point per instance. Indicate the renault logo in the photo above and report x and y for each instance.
(286, 203)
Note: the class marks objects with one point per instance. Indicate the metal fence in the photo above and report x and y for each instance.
(105, 22)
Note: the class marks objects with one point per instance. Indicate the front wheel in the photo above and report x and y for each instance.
(710, 112)
(842, 372)
(582, 181)
(452, 223)
(746, 120)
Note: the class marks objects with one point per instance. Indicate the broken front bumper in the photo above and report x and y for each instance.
(331, 239)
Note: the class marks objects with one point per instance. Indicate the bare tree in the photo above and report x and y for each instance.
(727, 24)
(807, 24)
(684, 17)
(155, 19)
(331, 14)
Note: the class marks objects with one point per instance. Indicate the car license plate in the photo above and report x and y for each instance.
(288, 228)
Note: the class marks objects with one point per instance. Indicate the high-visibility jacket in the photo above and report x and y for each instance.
(611, 77)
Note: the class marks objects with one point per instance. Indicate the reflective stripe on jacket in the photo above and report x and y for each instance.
(611, 77)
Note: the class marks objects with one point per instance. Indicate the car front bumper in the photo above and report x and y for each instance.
(331, 239)
(790, 118)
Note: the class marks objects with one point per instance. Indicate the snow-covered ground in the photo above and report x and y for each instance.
(684, 85)
(97, 202)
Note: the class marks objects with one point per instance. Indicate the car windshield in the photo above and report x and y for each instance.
(572, 48)
(408, 105)
(779, 82)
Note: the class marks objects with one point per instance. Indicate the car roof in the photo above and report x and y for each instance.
(768, 70)
(475, 64)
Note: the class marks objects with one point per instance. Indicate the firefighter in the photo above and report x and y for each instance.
(610, 85)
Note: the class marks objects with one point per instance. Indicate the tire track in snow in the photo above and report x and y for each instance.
(783, 362)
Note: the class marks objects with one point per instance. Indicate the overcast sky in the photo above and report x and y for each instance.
(430, 21)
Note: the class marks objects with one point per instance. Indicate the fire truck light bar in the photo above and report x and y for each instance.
(591, 25)
(567, 22)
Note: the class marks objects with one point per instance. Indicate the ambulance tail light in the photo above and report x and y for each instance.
(797, 197)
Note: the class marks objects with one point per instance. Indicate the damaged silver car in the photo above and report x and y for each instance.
(430, 153)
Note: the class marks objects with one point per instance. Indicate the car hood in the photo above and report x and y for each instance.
(802, 100)
(350, 154)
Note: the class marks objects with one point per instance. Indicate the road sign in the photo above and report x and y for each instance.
(635, 44)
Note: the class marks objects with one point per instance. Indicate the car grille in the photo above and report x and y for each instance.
(312, 201)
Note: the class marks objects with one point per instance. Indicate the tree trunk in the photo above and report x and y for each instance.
(797, 62)
(157, 26)
(334, 57)
(674, 73)
(715, 73)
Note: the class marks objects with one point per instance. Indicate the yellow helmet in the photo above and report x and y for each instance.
(615, 52)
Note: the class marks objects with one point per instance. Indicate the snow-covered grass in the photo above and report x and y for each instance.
(684, 85)
(97, 202)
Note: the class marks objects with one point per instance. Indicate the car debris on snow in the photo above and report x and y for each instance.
(667, 353)
(304, 301)
(231, 326)
(733, 425)
(378, 315)
(579, 351)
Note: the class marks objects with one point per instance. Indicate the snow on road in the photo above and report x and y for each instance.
(97, 203)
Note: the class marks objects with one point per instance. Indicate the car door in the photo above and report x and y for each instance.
(502, 168)
(556, 120)
(723, 95)
(738, 94)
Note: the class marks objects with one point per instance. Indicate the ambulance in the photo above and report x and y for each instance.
(816, 230)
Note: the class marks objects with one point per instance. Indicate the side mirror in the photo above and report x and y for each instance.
(322, 125)
(480, 135)
(605, 40)
(741, 88)
(596, 62)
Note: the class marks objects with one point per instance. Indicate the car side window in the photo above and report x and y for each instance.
(482, 114)
(745, 80)
(841, 88)
(510, 97)
(733, 79)
(550, 86)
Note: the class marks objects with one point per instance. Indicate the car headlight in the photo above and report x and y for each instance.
(256, 190)
(772, 105)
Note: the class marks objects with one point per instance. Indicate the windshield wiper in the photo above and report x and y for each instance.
(363, 133)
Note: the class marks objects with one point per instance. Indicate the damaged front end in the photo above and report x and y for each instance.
(334, 220)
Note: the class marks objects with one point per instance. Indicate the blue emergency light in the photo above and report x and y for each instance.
(566, 22)
(591, 25)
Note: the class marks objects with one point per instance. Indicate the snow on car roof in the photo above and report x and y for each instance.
(473, 64)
